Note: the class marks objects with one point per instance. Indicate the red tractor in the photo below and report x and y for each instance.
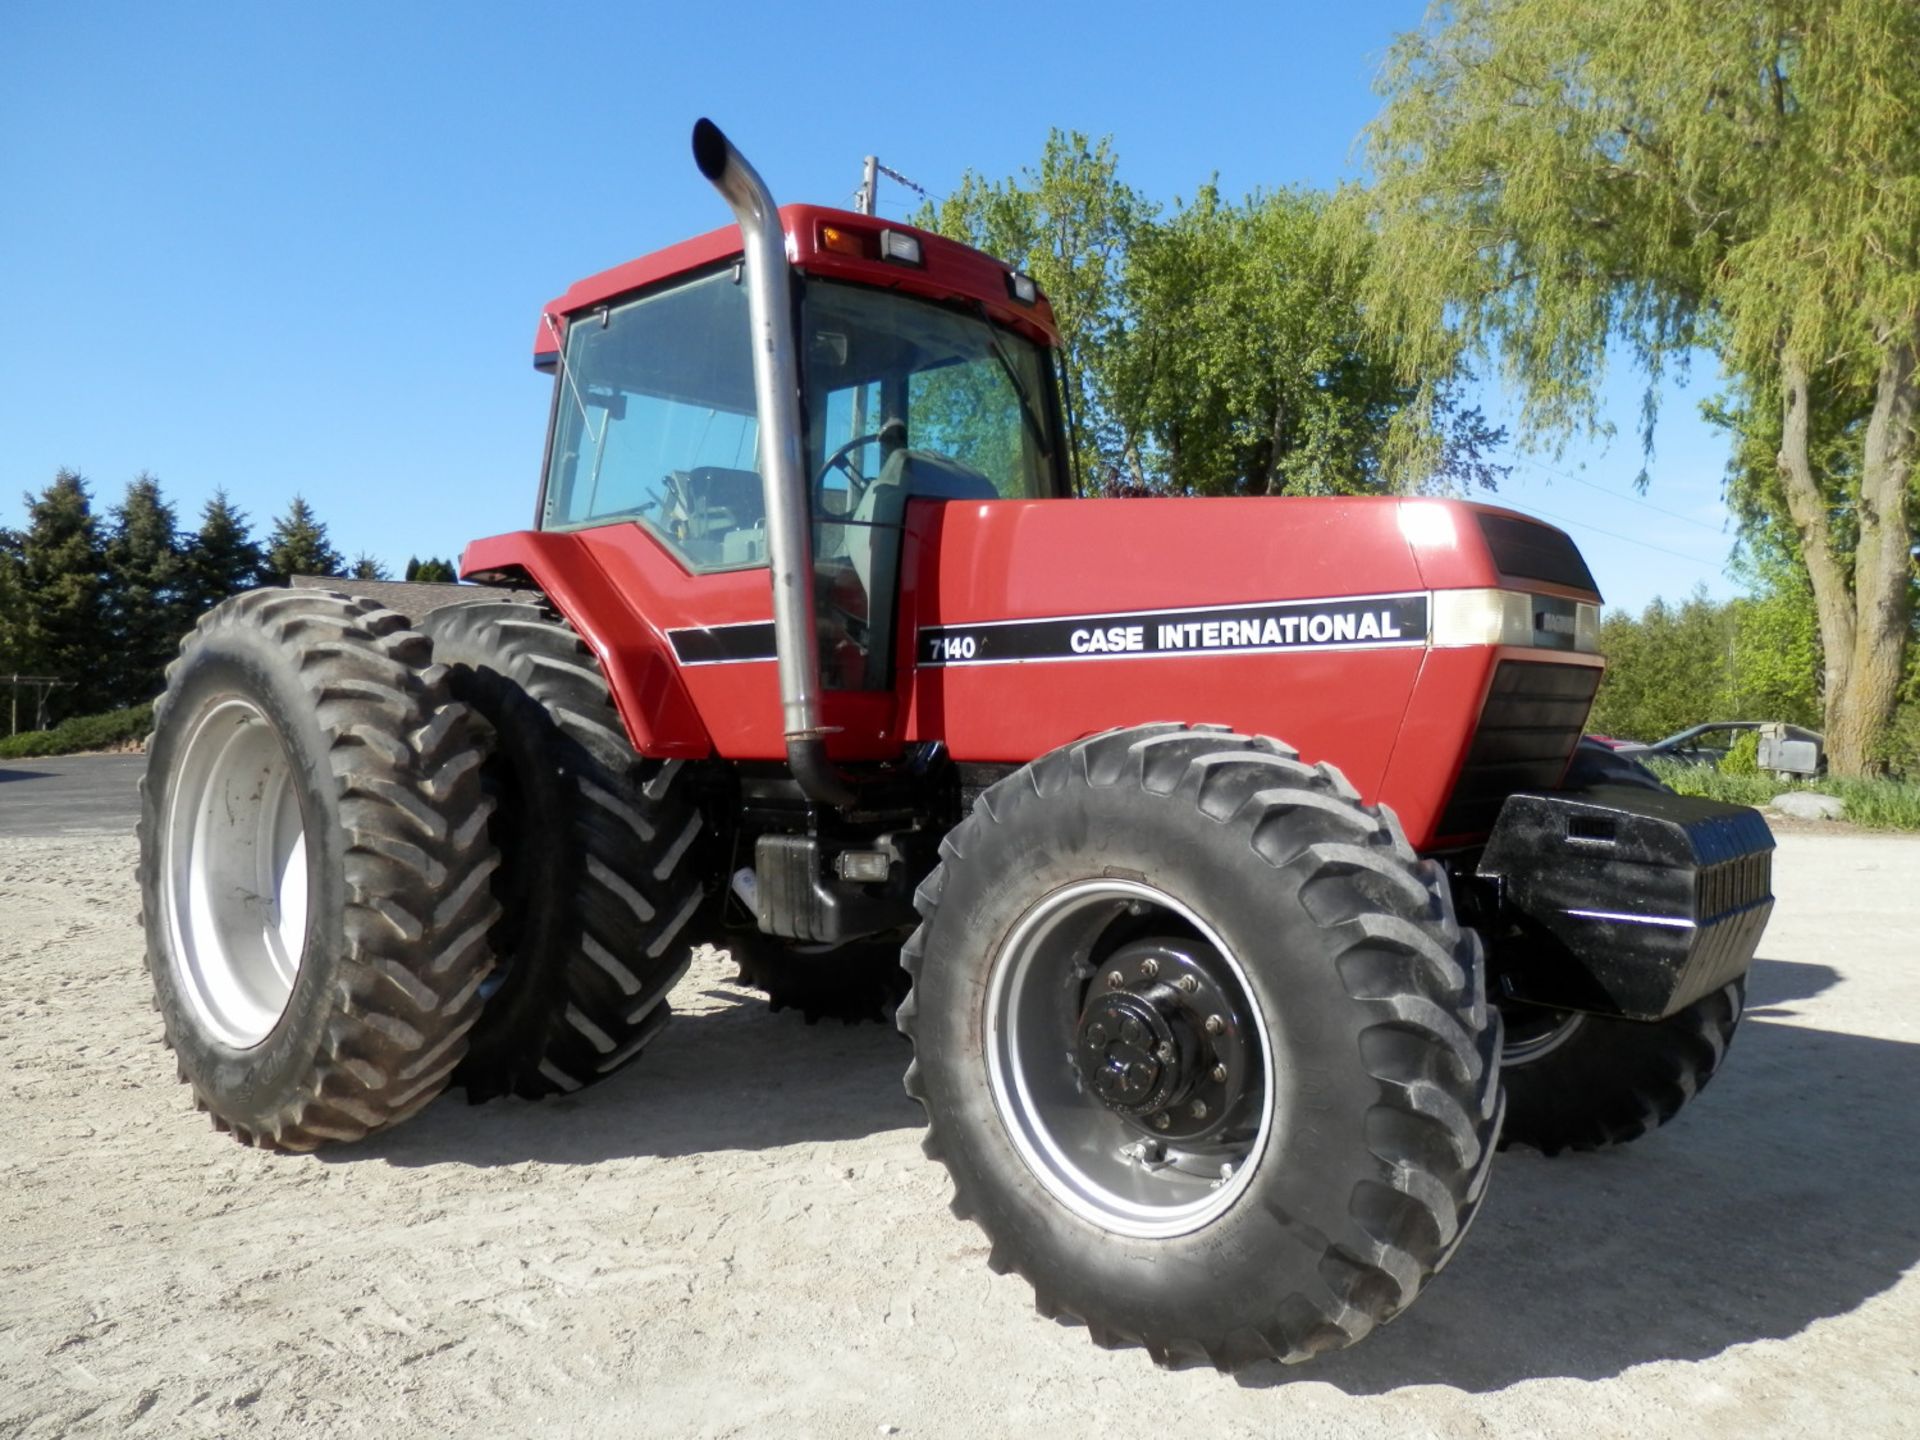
(1236, 849)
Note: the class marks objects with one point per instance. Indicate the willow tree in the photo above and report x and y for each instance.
(1558, 179)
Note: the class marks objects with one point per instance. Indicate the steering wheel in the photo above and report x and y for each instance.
(856, 484)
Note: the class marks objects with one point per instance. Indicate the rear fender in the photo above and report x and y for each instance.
(633, 651)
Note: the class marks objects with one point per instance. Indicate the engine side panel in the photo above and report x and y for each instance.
(1129, 568)
(1400, 720)
(1025, 625)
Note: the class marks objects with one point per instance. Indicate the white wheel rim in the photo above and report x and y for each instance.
(1029, 963)
(234, 873)
(1525, 1044)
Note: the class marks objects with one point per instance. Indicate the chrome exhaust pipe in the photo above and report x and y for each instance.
(783, 472)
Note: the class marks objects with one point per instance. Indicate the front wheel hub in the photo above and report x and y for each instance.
(1135, 1050)
(1158, 1041)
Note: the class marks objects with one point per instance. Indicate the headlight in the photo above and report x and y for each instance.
(1513, 617)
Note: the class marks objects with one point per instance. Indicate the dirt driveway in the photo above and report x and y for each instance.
(739, 1236)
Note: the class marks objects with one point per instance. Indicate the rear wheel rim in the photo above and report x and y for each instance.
(1110, 1167)
(234, 873)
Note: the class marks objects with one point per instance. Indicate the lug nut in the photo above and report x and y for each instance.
(1220, 1073)
(1115, 980)
(1215, 1025)
(1164, 1051)
(1149, 968)
(1199, 1109)
(1188, 984)
(1160, 1121)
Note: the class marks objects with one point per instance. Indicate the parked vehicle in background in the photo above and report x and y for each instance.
(1785, 750)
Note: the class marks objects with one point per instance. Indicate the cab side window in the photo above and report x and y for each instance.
(656, 424)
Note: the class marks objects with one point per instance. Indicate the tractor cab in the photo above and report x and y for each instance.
(924, 370)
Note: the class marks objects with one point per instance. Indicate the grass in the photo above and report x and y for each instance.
(83, 732)
(1874, 804)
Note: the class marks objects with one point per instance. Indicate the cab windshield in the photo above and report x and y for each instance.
(907, 398)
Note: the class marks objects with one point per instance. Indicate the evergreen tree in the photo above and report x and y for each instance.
(431, 571)
(365, 567)
(299, 546)
(13, 601)
(221, 560)
(62, 570)
(144, 605)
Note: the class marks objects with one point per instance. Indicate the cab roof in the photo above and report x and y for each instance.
(947, 271)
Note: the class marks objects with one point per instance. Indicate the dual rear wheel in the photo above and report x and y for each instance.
(332, 936)
(314, 869)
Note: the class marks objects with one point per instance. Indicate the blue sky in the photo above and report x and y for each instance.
(285, 249)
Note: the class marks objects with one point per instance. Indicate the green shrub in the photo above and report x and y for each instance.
(1743, 756)
(1878, 804)
(1711, 784)
(1901, 746)
(83, 732)
(1872, 804)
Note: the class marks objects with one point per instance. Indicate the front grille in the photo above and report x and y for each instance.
(1529, 725)
(1719, 890)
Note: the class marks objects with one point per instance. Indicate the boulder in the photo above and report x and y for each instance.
(1809, 805)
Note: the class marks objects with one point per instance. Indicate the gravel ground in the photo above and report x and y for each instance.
(739, 1236)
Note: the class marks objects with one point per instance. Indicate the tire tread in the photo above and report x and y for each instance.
(1436, 1058)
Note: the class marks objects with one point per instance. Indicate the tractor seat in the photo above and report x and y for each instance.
(883, 509)
(738, 492)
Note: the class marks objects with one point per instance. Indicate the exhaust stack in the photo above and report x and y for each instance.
(783, 474)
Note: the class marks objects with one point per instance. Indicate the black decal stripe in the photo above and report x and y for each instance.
(723, 643)
(1348, 622)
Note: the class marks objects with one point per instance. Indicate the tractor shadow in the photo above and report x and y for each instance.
(1774, 1201)
(726, 1074)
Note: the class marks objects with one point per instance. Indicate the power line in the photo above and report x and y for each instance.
(1616, 535)
(1616, 494)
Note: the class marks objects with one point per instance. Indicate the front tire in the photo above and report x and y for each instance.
(1300, 1151)
(851, 983)
(313, 869)
(1587, 1082)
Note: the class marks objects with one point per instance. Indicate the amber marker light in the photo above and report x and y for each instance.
(841, 242)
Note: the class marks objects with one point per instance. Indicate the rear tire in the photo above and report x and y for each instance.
(1354, 1062)
(313, 869)
(599, 872)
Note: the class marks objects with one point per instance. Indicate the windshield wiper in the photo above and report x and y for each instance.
(1000, 353)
